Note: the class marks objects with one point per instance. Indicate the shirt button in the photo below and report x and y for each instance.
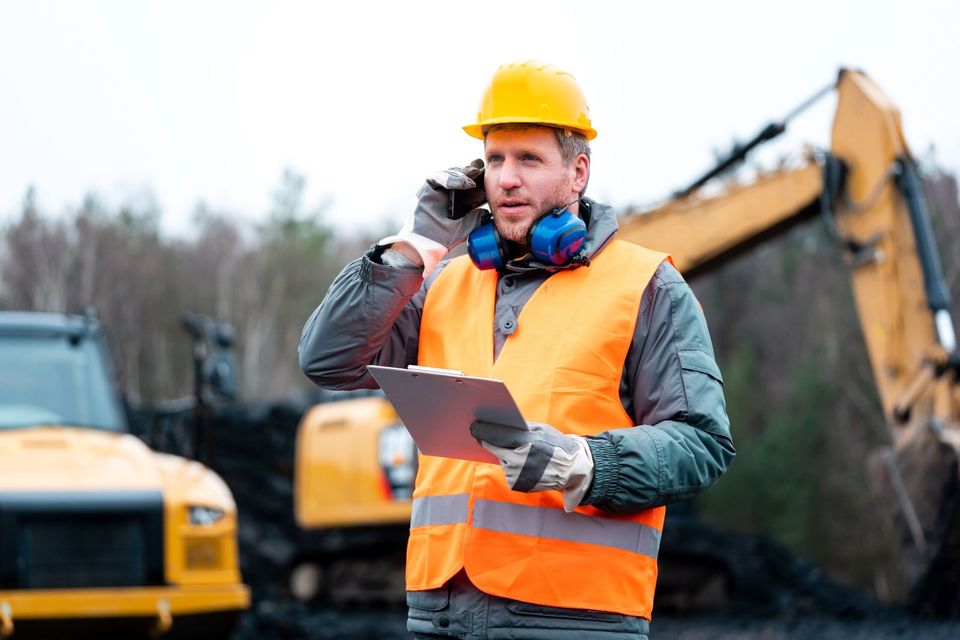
(508, 324)
(508, 282)
(443, 621)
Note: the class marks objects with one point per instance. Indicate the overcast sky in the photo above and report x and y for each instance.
(211, 101)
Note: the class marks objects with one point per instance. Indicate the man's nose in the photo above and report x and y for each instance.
(509, 175)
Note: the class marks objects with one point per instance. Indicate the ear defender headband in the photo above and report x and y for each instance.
(555, 238)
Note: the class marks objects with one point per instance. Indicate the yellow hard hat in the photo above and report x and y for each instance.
(534, 92)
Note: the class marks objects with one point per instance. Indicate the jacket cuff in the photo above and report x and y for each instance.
(606, 472)
(430, 251)
(397, 260)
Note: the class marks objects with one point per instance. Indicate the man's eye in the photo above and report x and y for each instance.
(494, 158)
(529, 157)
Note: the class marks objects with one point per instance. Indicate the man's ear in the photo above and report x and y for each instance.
(581, 172)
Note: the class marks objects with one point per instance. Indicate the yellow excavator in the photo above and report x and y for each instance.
(867, 191)
(353, 480)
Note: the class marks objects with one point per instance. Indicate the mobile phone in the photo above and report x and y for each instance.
(464, 201)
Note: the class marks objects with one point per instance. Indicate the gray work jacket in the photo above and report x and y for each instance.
(671, 385)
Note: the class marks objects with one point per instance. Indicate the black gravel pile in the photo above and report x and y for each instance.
(750, 575)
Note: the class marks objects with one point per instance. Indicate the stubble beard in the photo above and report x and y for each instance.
(514, 231)
(517, 231)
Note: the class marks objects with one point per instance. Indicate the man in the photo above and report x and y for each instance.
(603, 346)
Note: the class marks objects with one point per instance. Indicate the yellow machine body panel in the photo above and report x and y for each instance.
(696, 230)
(888, 290)
(52, 467)
(355, 465)
(147, 602)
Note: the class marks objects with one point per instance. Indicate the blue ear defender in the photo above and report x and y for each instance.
(485, 247)
(555, 239)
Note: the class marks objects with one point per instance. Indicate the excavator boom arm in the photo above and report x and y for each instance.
(700, 233)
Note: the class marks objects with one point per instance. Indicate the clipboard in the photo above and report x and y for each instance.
(437, 406)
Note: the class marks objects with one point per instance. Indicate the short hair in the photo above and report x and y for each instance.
(572, 143)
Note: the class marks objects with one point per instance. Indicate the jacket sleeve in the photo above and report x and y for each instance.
(673, 389)
(370, 315)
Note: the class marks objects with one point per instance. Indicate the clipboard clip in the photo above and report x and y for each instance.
(448, 372)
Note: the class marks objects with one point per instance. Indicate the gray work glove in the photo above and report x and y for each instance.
(446, 213)
(539, 458)
(464, 187)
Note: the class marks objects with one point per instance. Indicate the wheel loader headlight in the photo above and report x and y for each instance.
(204, 516)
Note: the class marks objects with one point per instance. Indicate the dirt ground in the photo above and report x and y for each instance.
(874, 628)
(294, 621)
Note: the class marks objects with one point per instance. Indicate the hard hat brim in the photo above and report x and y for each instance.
(476, 130)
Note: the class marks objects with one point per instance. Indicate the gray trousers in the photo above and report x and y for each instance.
(460, 610)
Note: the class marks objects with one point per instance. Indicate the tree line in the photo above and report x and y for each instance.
(262, 279)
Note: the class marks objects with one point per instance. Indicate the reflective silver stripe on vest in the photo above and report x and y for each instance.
(429, 510)
(560, 525)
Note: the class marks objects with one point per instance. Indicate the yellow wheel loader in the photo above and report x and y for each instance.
(99, 535)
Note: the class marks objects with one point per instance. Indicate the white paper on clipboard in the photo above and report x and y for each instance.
(438, 407)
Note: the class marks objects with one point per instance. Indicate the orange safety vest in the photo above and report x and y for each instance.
(563, 365)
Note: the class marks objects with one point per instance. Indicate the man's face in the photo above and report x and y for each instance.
(525, 177)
